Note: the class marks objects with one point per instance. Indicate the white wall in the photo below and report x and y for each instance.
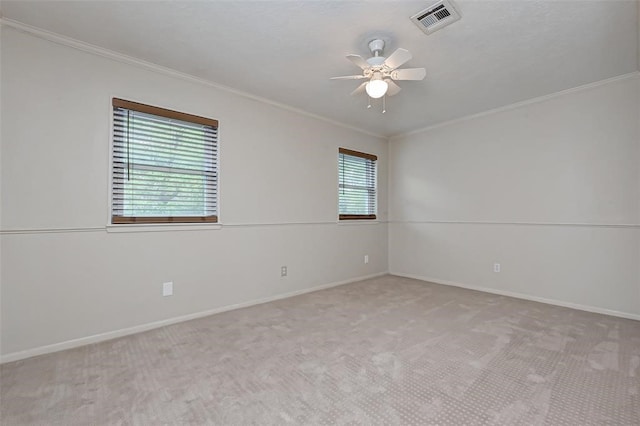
(64, 277)
(550, 189)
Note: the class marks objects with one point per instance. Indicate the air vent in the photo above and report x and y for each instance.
(436, 16)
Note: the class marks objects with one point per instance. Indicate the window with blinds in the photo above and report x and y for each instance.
(165, 166)
(356, 185)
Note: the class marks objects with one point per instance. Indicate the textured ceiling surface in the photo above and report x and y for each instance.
(499, 53)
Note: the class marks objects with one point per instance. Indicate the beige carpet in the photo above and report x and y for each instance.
(383, 351)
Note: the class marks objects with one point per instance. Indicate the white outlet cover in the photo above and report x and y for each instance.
(167, 289)
(496, 267)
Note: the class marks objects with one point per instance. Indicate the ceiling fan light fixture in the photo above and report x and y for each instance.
(377, 87)
(380, 73)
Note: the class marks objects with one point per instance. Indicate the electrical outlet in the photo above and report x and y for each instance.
(167, 289)
(496, 267)
(283, 271)
(366, 258)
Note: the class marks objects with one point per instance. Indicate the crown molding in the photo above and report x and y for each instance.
(629, 76)
(129, 60)
(120, 57)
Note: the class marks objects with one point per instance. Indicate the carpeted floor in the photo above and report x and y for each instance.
(383, 351)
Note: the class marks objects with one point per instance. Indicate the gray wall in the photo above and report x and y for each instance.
(549, 189)
(65, 276)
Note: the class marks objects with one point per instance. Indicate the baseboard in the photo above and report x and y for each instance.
(70, 344)
(555, 302)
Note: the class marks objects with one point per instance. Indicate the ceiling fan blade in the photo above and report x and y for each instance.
(358, 61)
(393, 87)
(397, 58)
(348, 77)
(360, 89)
(409, 74)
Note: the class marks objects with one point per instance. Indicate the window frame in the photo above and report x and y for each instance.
(170, 114)
(373, 159)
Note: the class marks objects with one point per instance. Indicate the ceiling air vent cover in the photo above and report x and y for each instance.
(436, 16)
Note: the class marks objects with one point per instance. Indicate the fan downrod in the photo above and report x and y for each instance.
(376, 46)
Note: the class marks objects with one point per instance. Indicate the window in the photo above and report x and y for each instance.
(356, 185)
(164, 166)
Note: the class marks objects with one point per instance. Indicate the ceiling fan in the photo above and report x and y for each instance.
(382, 72)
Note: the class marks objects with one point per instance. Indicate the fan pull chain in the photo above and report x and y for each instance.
(384, 104)
(369, 106)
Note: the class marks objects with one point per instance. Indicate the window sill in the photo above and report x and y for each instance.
(358, 222)
(155, 227)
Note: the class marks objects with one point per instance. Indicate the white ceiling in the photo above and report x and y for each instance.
(499, 53)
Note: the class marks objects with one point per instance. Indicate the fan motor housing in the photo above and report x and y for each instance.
(376, 61)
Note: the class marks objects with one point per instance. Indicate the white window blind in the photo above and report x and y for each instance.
(356, 185)
(164, 165)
